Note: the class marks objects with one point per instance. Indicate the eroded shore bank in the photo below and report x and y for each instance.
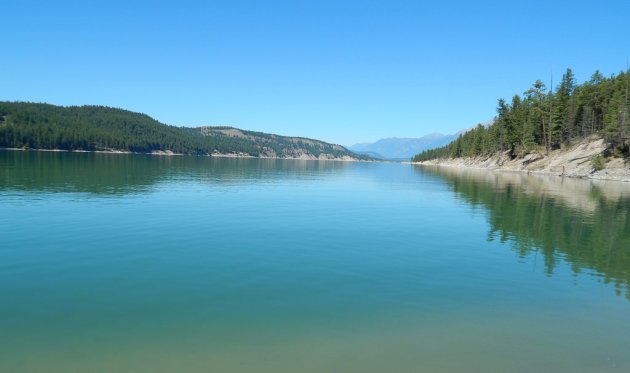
(578, 161)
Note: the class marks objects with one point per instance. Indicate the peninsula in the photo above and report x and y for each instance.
(578, 130)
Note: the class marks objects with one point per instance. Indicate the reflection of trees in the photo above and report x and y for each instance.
(589, 229)
(134, 173)
(80, 172)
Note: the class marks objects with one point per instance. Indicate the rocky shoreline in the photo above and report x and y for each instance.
(307, 157)
(576, 161)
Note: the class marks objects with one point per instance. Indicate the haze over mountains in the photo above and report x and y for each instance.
(403, 148)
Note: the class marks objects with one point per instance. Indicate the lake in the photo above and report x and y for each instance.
(134, 263)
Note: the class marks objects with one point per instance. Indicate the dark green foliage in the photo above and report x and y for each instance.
(90, 128)
(599, 163)
(547, 121)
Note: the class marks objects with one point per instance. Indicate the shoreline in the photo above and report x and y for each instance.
(575, 161)
(170, 153)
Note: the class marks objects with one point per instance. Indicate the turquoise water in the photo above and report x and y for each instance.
(130, 263)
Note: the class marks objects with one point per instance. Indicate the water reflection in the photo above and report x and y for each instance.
(583, 222)
(119, 174)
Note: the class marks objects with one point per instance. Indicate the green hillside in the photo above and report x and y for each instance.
(99, 128)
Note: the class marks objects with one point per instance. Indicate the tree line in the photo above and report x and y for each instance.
(542, 120)
(92, 128)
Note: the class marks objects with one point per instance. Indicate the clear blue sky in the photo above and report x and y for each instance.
(341, 71)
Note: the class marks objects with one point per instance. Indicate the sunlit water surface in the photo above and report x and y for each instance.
(130, 263)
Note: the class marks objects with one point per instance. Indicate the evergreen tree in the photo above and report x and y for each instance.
(549, 120)
(43, 126)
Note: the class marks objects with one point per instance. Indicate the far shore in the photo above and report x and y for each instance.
(112, 151)
(170, 153)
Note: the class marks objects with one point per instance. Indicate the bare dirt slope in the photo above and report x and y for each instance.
(573, 161)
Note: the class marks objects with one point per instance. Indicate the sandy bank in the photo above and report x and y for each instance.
(574, 161)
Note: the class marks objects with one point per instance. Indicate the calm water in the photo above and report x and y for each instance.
(129, 263)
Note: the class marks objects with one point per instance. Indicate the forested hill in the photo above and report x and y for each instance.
(99, 128)
(541, 121)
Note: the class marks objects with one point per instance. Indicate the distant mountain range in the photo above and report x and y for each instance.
(403, 148)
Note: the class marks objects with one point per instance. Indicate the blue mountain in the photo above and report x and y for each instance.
(403, 148)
